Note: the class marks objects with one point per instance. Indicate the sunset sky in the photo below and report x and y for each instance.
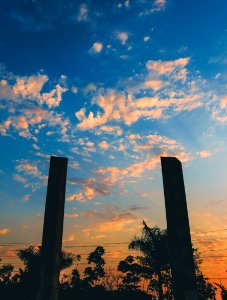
(113, 85)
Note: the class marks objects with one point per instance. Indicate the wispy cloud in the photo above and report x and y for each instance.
(162, 83)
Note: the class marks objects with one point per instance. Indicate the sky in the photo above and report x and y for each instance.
(113, 85)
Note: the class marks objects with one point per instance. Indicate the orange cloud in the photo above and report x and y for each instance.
(34, 117)
(4, 231)
(104, 145)
(96, 47)
(168, 67)
(153, 84)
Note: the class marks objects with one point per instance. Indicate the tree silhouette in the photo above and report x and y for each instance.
(93, 275)
(29, 276)
(132, 274)
(156, 256)
(6, 271)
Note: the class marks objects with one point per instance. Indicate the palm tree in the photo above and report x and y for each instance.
(154, 246)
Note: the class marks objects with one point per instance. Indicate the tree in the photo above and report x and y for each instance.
(94, 274)
(132, 274)
(6, 271)
(75, 275)
(156, 256)
(28, 277)
(205, 289)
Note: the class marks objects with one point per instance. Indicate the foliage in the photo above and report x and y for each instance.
(153, 244)
(223, 290)
(94, 274)
(6, 271)
(132, 274)
(148, 272)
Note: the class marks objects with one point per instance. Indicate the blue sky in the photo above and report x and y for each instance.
(112, 85)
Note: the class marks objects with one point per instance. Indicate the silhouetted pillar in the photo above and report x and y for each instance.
(52, 230)
(183, 270)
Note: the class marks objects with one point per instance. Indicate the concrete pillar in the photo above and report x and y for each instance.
(52, 230)
(183, 271)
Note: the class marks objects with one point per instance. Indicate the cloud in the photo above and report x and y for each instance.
(30, 87)
(30, 119)
(159, 5)
(153, 84)
(119, 107)
(115, 130)
(223, 102)
(4, 231)
(71, 215)
(220, 110)
(83, 13)
(74, 165)
(96, 47)
(76, 197)
(54, 97)
(204, 154)
(26, 197)
(91, 187)
(164, 96)
(122, 36)
(19, 178)
(151, 141)
(176, 68)
(27, 168)
(23, 98)
(104, 145)
(74, 89)
(112, 219)
(89, 88)
(70, 238)
(115, 174)
(29, 175)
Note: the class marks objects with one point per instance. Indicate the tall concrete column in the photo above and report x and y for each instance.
(52, 230)
(183, 270)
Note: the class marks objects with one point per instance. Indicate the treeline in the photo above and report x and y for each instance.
(145, 276)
